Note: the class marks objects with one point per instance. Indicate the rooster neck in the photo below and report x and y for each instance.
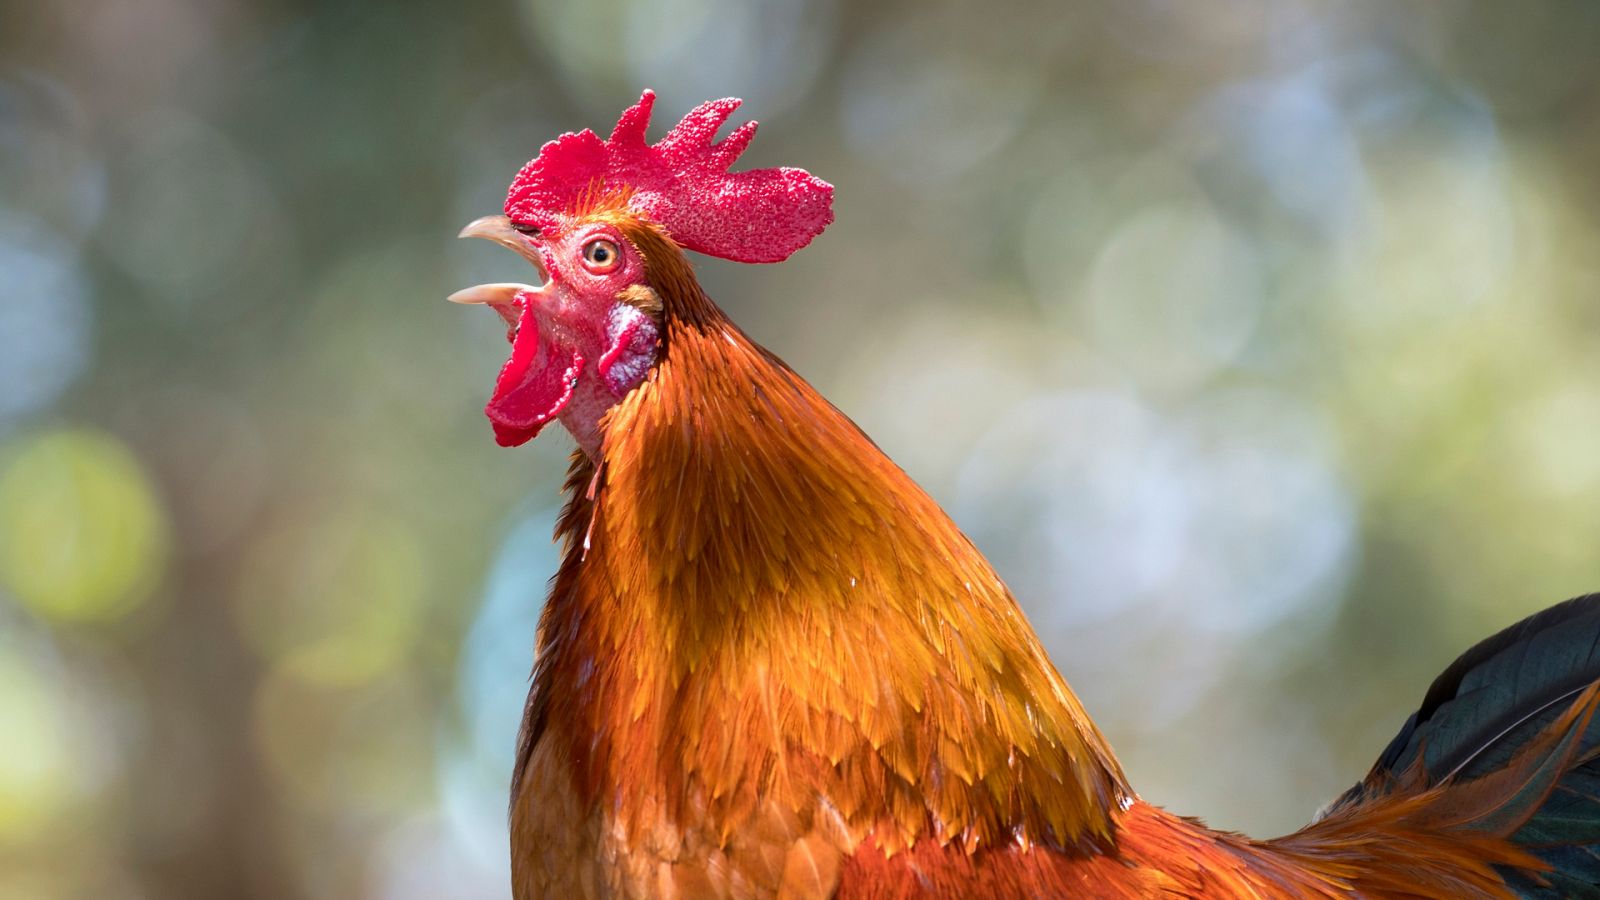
(757, 606)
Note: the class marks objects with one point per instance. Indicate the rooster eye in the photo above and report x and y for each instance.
(601, 256)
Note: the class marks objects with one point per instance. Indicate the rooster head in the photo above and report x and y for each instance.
(604, 223)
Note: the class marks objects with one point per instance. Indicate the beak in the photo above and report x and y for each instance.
(497, 294)
(500, 230)
(502, 296)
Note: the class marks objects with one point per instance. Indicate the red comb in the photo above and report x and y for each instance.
(681, 183)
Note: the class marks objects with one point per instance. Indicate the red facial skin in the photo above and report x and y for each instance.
(569, 335)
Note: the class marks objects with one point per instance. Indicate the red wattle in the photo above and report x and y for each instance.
(535, 384)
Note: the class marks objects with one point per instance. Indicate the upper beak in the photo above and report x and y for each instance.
(500, 230)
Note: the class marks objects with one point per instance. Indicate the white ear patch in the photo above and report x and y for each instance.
(633, 339)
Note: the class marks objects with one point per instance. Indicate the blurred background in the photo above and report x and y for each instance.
(1255, 343)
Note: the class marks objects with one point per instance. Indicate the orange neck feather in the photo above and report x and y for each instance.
(757, 606)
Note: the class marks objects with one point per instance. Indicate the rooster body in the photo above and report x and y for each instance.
(770, 665)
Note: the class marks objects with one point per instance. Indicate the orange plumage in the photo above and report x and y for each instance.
(770, 665)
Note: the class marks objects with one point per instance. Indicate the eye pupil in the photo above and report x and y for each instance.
(600, 256)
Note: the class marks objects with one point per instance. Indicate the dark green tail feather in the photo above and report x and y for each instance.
(1489, 704)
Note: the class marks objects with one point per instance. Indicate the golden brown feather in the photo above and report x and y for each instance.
(772, 666)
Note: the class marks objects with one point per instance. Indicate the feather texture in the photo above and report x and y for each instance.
(761, 621)
(1513, 692)
(770, 665)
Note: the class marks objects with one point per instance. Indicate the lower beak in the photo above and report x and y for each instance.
(502, 296)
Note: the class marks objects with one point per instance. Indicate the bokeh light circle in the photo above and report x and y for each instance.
(44, 315)
(83, 535)
(335, 595)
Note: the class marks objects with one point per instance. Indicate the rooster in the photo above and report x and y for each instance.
(771, 666)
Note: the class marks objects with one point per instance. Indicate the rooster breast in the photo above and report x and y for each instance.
(566, 849)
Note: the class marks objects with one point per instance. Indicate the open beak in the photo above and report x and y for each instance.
(539, 378)
(502, 296)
